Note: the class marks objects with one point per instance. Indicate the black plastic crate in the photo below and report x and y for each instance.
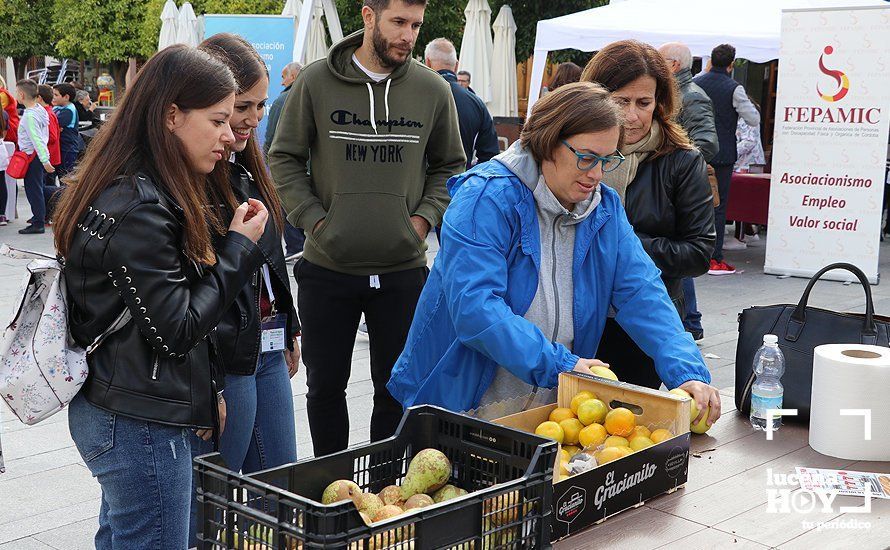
(507, 472)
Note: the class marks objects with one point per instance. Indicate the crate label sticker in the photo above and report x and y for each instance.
(675, 462)
(613, 488)
(570, 505)
(488, 439)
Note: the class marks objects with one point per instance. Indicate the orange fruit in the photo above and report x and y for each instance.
(550, 430)
(571, 449)
(625, 450)
(609, 454)
(640, 442)
(620, 421)
(561, 413)
(592, 436)
(592, 411)
(581, 397)
(616, 441)
(571, 427)
(660, 435)
(639, 431)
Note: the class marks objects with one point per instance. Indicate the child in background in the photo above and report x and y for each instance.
(33, 139)
(63, 98)
(4, 161)
(45, 100)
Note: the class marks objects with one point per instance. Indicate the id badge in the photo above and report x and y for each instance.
(273, 333)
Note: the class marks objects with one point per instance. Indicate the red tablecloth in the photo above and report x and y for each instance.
(748, 198)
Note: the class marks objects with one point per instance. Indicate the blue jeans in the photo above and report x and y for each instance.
(145, 471)
(692, 317)
(260, 429)
(34, 183)
(294, 239)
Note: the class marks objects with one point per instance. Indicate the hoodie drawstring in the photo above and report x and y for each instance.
(371, 102)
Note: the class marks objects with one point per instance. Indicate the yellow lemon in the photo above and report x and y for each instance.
(593, 435)
(571, 427)
(564, 455)
(550, 430)
(560, 414)
(603, 372)
(592, 411)
(581, 397)
(660, 435)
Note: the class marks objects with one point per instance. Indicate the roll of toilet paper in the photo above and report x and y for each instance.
(850, 405)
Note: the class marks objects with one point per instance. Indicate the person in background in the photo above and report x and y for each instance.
(566, 73)
(85, 106)
(63, 99)
(663, 185)
(463, 78)
(382, 132)
(4, 198)
(9, 105)
(750, 151)
(138, 238)
(696, 116)
(50, 189)
(33, 139)
(294, 238)
(476, 125)
(260, 427)
(730, 102)
(535, 252)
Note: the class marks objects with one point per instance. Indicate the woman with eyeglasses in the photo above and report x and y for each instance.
(663, 184)
(535, 252)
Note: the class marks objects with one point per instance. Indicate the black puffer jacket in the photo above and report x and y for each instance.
(669, 205)
(697, 115)
(239, 331)
(129, 254)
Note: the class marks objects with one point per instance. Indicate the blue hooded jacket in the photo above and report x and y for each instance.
(469, 319)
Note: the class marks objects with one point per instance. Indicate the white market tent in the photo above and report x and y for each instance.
(752, 26)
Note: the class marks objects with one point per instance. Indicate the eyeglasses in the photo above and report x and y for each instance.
(586, 161)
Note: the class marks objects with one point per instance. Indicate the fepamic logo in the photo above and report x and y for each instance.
(840, 78)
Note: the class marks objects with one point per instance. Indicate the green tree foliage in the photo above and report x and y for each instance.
(106, 30)
(25, 30)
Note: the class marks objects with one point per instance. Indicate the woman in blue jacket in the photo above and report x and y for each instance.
(534, 252)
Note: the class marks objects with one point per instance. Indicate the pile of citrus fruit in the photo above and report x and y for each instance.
(589, 424)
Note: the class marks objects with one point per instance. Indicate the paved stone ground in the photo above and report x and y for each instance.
(49, 501)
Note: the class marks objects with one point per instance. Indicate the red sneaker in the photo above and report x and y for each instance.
(720, 268)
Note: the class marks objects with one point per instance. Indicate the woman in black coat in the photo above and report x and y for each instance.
(663, 184)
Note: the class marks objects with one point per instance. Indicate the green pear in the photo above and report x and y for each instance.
(340, 490)
(447, 492)
(429, 470)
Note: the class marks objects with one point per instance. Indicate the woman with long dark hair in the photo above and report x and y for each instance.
(663, 185)
(137, 237)
(258, 335)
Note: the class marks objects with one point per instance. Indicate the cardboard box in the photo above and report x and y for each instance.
(588, 498)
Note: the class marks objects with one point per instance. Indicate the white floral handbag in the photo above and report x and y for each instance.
(41, 367)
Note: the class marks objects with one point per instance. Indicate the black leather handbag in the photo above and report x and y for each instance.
(800, 329)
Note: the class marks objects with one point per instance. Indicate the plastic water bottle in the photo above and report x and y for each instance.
(766, 394)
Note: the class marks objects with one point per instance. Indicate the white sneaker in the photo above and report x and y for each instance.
(752, 238)
(734, 244)
(3, 221)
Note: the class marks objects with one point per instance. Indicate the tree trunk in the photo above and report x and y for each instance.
(119, 74)
(21, 66)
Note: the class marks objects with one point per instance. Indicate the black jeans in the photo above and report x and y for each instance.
(330, 306)
(724, 178)
(625, 358)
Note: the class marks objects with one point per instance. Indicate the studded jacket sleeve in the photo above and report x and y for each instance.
(144, 261)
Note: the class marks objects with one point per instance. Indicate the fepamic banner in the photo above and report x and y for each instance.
(272, 36)
(830, 143)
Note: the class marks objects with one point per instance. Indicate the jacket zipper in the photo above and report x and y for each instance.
(553, 279)
(155, 367)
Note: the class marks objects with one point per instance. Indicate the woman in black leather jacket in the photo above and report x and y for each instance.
(663, 183)
(136, 238)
